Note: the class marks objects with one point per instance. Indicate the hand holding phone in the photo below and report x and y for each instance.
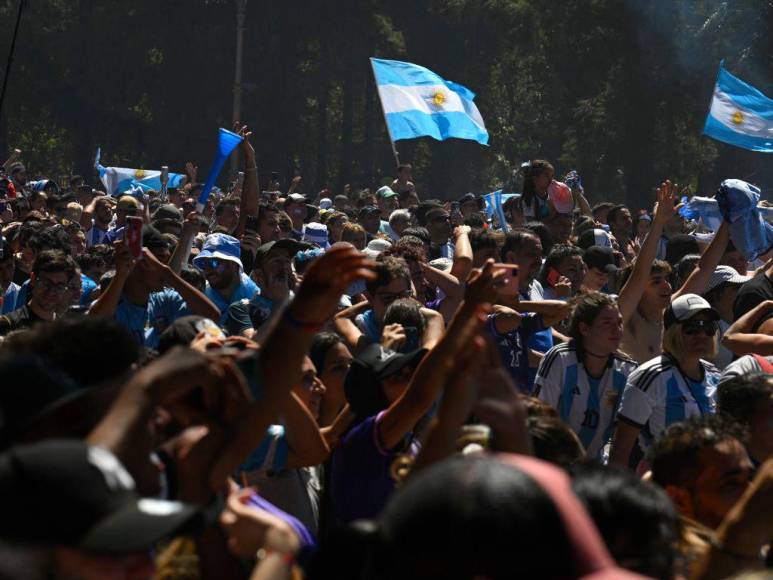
(133, 236)
(553, 277)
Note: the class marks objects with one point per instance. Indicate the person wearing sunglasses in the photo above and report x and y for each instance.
(678, 384)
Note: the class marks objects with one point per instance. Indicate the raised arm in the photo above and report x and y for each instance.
(631, 293)
(696, 281)
(249, 197)
(183, 250)
(434, 371)
(739, 338)
(462, 265)
(307, 445)
(108, 300)
(288, 342)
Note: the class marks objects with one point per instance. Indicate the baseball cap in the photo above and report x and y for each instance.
(167, 212)
(96, 506)
(561, 197)
(725, 275)
(221, 246)
(601, 258)
(363, 385)
(316, 233)
(290, 245)
(470, 197)
(128, 203)
(368, 210)
(685, 307)
(296, 198)
(385, 192)
(594, 237)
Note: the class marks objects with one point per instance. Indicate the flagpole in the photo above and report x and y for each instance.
(383, 112)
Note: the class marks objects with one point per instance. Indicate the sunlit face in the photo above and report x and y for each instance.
(103, 213)
(335, 227)
(268, 228)
(657, 292)
(623, 222)
(220, 274)
(78, 243)
(603, 335)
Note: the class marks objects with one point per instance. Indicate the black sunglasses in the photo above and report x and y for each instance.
(693, 327)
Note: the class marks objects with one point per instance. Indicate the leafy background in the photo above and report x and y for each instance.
(617, 89)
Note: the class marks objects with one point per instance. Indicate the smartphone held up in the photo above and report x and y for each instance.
(133, 236)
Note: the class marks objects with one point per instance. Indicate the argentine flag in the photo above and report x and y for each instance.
(494, 206)
(418, 103)
(118, 180)
(740, 114)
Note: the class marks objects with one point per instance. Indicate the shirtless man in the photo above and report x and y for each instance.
(647, 291)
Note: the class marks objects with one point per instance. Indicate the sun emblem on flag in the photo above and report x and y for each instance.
(438, 98)
(140, 173)
(737, 117)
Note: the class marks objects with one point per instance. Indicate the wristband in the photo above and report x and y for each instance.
(287, 557)
(311, 327)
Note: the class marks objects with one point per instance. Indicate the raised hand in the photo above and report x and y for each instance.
(482, 285)
(326, 279)
(393, 337)
(668, 200)
(191, 171)
(563, 287)
(245, 146)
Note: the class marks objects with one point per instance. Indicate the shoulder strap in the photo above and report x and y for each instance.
(765, 365)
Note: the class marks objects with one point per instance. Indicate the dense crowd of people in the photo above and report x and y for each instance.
(378, 384)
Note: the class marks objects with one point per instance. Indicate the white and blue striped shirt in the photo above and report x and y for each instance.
(659, 394)
(586, 404)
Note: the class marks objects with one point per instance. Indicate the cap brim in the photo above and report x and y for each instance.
(204, 254)
(400, 361)
(140, 525)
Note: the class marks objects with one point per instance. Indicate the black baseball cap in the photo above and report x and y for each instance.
(292, 246)
(601, 258)
(64, 492)
(363, 388)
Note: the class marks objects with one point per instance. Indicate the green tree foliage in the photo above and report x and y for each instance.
(617, 89)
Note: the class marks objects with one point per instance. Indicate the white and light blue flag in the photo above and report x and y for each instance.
(494, 206)
(740, 114)
(419, 103)
(118, 180)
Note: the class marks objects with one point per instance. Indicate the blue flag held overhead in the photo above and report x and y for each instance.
(419, 103)
(226, 143)
(740, 114)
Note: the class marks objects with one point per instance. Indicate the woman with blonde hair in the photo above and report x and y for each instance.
(678, 384)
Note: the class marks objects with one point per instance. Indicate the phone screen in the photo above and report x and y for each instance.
(553, 276)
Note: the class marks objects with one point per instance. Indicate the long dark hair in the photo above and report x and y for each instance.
(530, 170)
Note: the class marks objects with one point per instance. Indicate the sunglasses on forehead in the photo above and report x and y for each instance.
(693, 327)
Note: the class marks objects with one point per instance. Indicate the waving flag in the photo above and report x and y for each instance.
(419, 103)
(740, 114)
(118, 180)
(494, 206)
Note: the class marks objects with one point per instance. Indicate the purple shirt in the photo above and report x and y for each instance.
(514, 348)
(361, 480)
